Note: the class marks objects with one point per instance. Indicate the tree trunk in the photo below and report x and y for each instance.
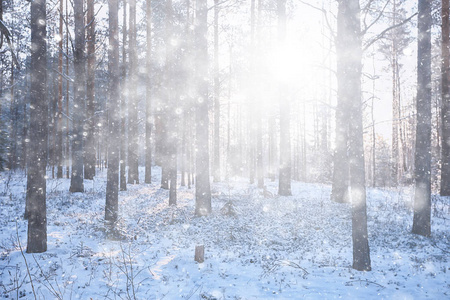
(445, 95)
(171, 118)
(123, 136)
(89, 149)
(112, 184)
(133, 146)
(68, 154)
(422, 195)
(36, 182)
(76, 180)
(284, 186)
(339, 192)
(216, 167)
(148, 98)
(349, 55)
(202, 181)
(395, 107)
(59, 137)
(259, 143)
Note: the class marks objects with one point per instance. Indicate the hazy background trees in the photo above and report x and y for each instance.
(253, 89)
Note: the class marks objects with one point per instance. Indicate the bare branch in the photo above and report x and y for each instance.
(376, 19)
(381, 34)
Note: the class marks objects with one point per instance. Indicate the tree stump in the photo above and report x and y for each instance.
(200, 253)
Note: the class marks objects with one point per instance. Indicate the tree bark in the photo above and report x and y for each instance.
(284, 186)
(148, 98)
(422, 195)
(445, 95)
(112, 184)
(76, 180)
(59, 135)
(216, 167)
(68, 156)
(349, 56)
(202, 180)
(36, 179)
(259, 142)
(170, 115)
(89, 149)
(123, 136)
(133, 146)
(395, 105)
(339, 192)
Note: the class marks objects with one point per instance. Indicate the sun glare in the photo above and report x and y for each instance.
(291, 64)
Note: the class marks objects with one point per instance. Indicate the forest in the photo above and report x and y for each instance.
(224, 149)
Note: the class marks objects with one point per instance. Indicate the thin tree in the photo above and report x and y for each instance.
(123, 136)
(79, 62)
(445, 94)
(349, 66)
(422, 158)
(395, 102)
(112, 184)
(284, 185)
(67, 154)
(59, 134)
(259, 135)
(202, 180)
(133, 146)
(216, 167)
(89, 147)
(37, 162)
(170, 116)
(148, 97)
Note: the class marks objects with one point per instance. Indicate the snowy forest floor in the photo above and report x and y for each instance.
(272, 247)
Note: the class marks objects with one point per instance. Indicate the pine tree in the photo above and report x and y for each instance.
(148, 97)
(349, 56)
(76, 180)
(422, 195)
(202, 180)
(284, 187)
(36, 175)
(445, 94)
(133, 145)
(89, 148)
(112, 184)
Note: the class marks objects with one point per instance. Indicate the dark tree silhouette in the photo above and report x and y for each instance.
(79, 62)
(37, 162)
(112, 184)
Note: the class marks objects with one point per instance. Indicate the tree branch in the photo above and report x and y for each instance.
(381, 34)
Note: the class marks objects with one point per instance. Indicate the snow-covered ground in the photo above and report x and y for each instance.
(270, 248)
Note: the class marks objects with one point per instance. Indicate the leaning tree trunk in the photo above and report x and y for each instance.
(76, 180)
(202, 180)
(349, 55)
(36, 182)
(422, 195)
(112, 183)
(445, 110)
